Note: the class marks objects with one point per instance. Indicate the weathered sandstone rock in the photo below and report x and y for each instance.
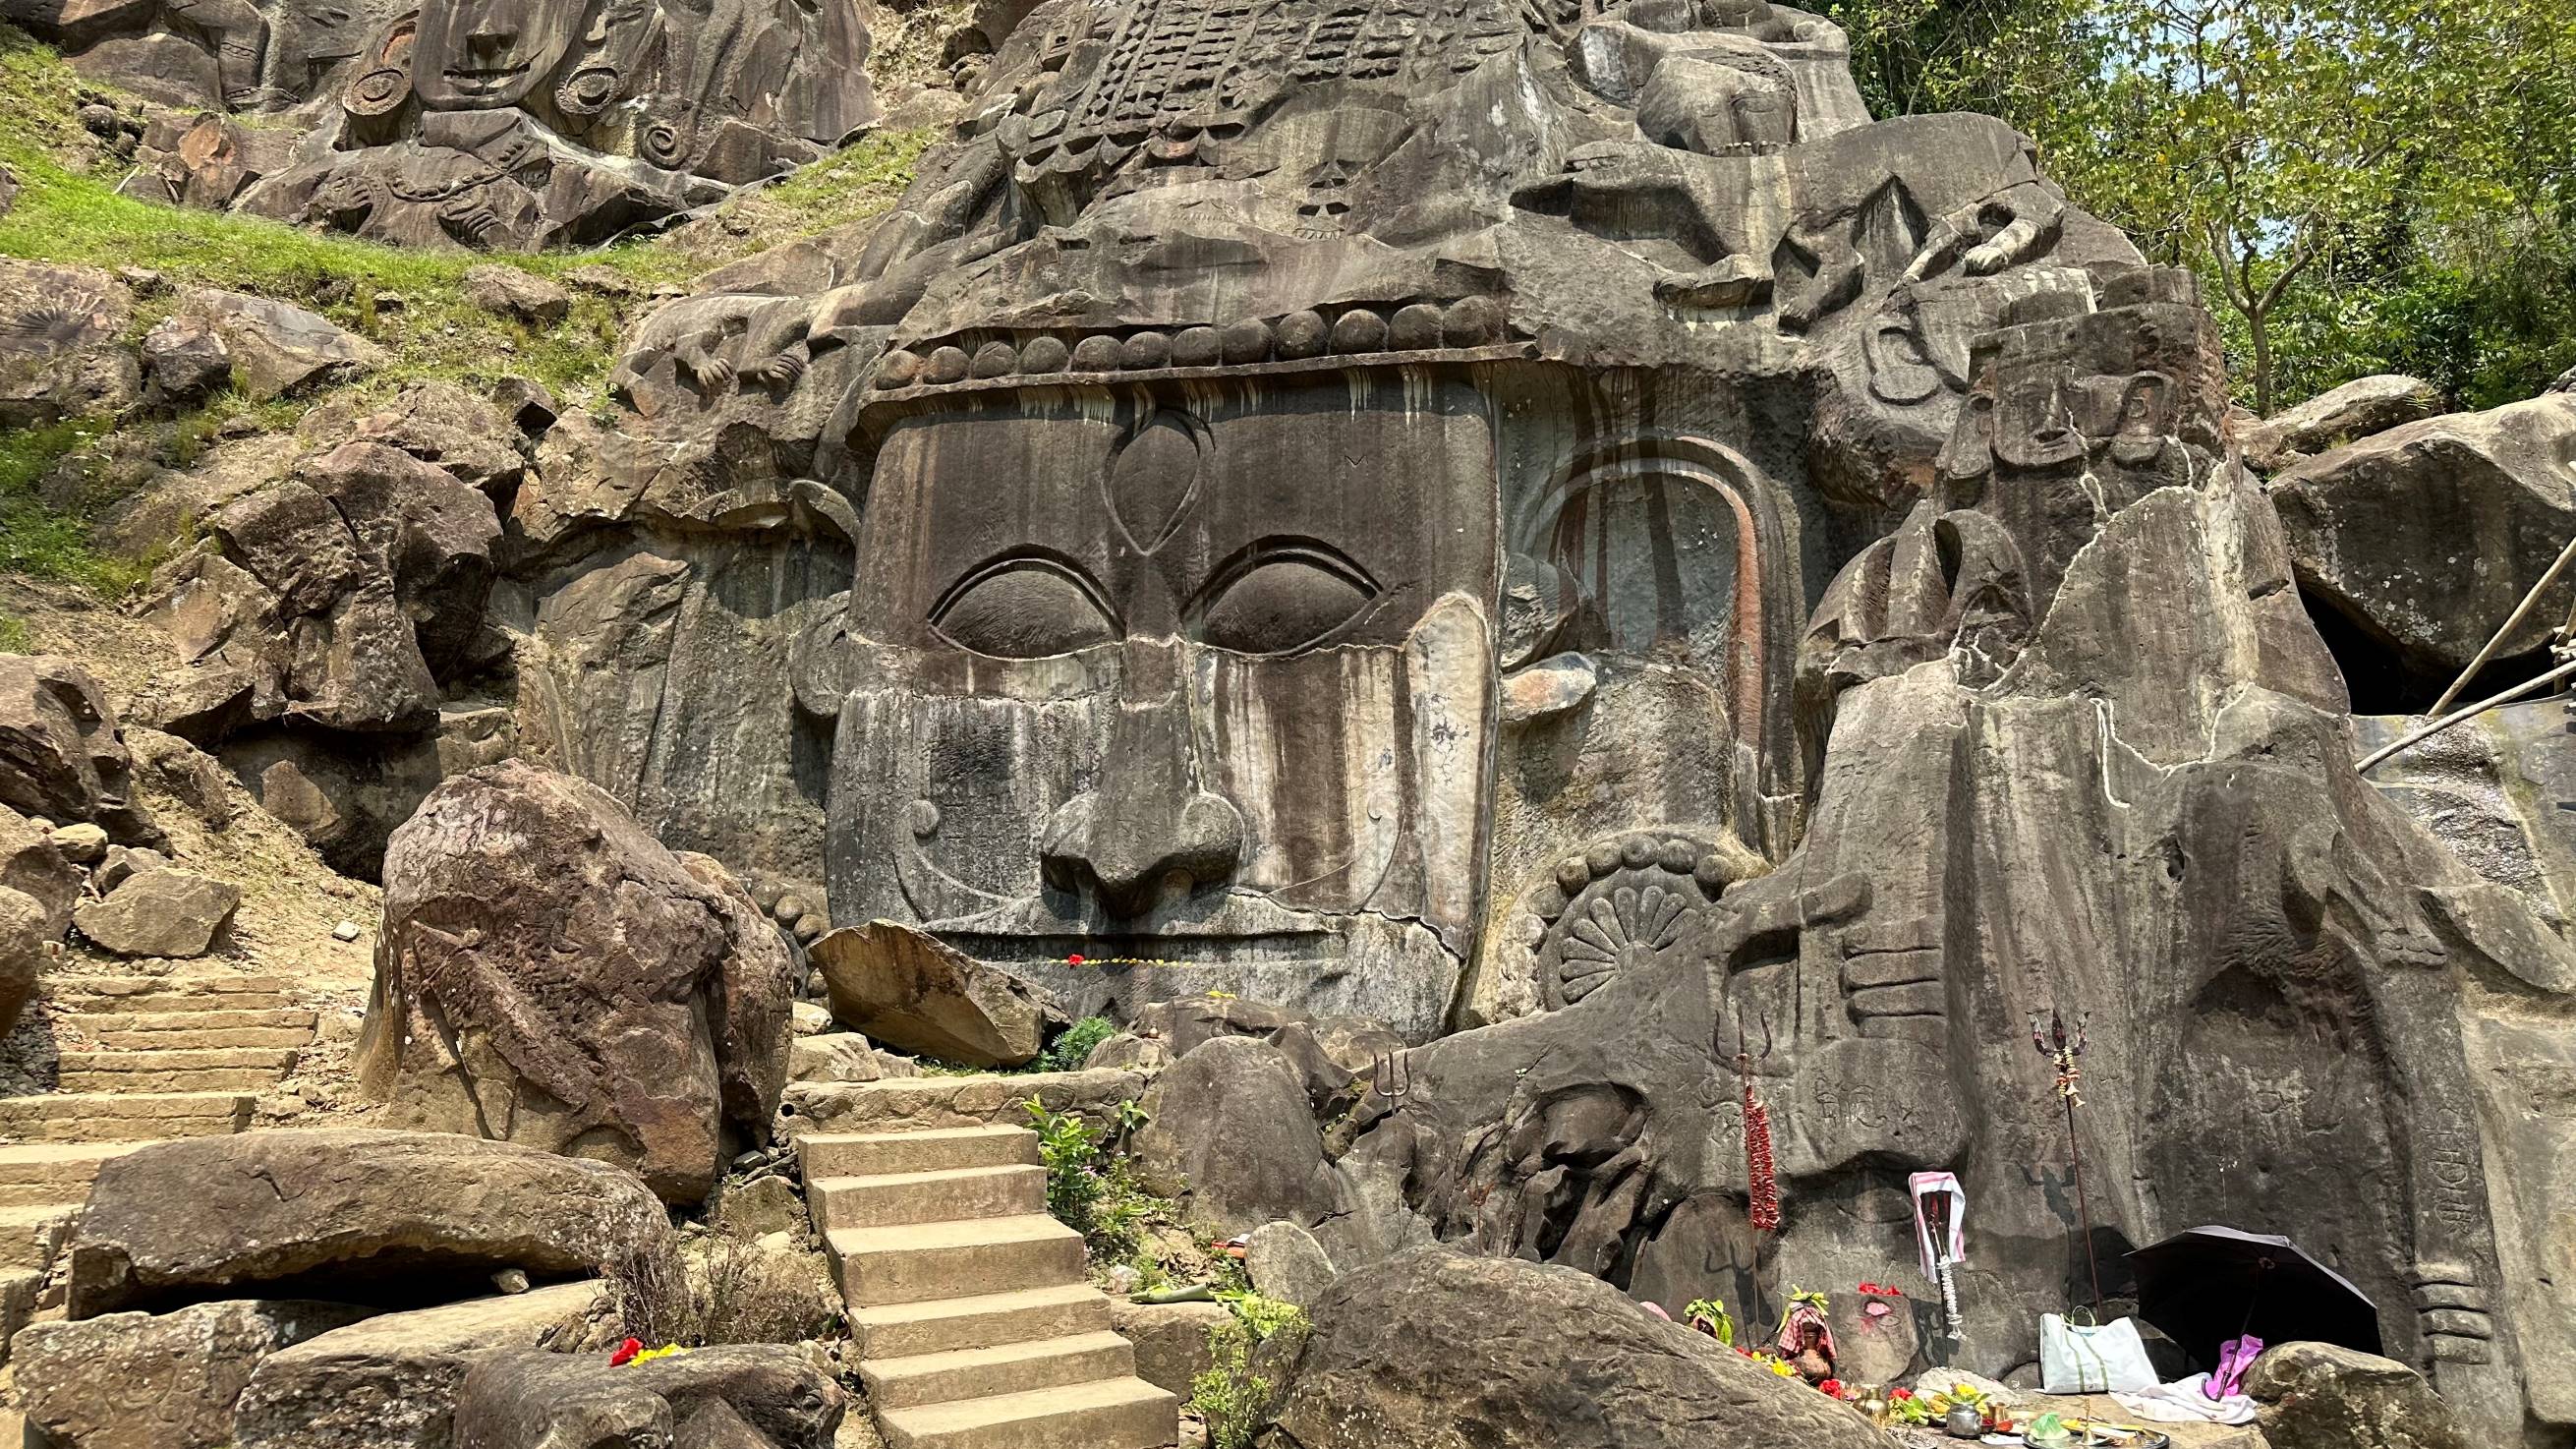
(1407, 1353)
(909, 990)
(395, 1213)
(549, 974)
(141, 1381)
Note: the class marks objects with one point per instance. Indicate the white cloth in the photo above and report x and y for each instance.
(1922, 1185)
(2186, 1402)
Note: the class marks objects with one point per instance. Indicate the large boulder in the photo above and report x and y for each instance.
(1171, 1339)
(1229, 1128)
(1409, 1353)
(61, 757)
(549, 974)
(766, 1396)
(33, 864)
(392, 1215)
(908, 989)
(2426, 536)
(391, 1381)
(23, 940)
(2337, 416)
(137, 1381)
(2319, 1396)
(161, 912)
(278, 348)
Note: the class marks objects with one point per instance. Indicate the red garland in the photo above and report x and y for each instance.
(1757, 1162)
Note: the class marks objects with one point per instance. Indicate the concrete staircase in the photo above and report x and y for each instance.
(145, 1058)
(975, 1325)
(141, 1059)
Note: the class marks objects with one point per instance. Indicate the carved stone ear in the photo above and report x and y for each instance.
(383, 84)
(589, 88)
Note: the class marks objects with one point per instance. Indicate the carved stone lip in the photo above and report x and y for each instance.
(1113, 951)
(1231, 929)
(486, 81)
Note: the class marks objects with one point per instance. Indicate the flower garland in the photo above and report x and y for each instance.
(1759, 1169)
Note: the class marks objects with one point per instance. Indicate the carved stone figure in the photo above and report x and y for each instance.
(1549, 527)
(495, 123)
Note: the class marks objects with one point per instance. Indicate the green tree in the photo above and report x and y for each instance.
(2360, 184)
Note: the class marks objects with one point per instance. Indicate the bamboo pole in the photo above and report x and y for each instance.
(2481, 707)
(2525, 607)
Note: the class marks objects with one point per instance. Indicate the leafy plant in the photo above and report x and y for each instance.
(1229, 1396)
(1091, 1188)
(1712, 1312)
(1072, 1047)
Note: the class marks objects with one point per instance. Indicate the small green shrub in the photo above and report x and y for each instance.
(14, 638)
(1091, 1188)
(1229, 1396)
(1073, 1047)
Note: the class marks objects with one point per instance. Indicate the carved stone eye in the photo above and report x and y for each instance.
(1024, 608)
(1277, 597)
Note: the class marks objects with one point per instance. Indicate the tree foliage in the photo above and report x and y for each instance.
(2361, 185)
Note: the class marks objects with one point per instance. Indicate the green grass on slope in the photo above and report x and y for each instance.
(409, 301)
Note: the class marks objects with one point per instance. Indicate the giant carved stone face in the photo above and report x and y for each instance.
(1196, 685)
(480, 55)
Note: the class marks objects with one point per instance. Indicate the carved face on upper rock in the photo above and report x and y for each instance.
(1184, 680)
(477, 55)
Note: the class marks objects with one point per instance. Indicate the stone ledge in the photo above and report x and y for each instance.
(921, 1103)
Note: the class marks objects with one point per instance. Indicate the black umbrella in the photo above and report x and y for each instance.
(2209, 1284)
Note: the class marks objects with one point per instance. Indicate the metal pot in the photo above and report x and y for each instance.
(1964, 1422)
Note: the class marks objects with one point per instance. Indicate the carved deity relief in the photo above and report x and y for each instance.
(1208, 694)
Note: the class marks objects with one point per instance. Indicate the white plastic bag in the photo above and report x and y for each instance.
(2085, 1358)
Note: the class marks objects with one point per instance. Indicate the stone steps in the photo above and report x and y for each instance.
(158, 994)
(942, 1325)
(1114, 1414)
(130, 1117)
(174, 1069)
(31, 1236)
(207, 1030)
(36, 1174)
(981, 1373)
(976, 1326)
(896, 1199)
(965, 1258)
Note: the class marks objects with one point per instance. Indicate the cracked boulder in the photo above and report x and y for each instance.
(910, 990)
(140, 1381)
(2338, 416)
(279, 349)
(2426, 536)
(549, 974)
(737, 1396)
(61, 755)
(390, 1216)
(1408, 1353)
(161, 912)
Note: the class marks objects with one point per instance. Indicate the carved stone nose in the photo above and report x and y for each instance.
(1124, 846)
(485, 42)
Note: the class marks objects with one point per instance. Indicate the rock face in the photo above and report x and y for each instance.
(415, 125)
(746, 1396)
(62, 354)
(549, 974)
(391, 1382)
(61, 758)
(2316, 1395)
(908, 990)
(1228, 1127)
(2426, 536)
(23, 939)
(2338, 416)
(278, 349)
(1408, 1354)
(35, 867)
(136, 1381)
(394, 1214)
(159, 912)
